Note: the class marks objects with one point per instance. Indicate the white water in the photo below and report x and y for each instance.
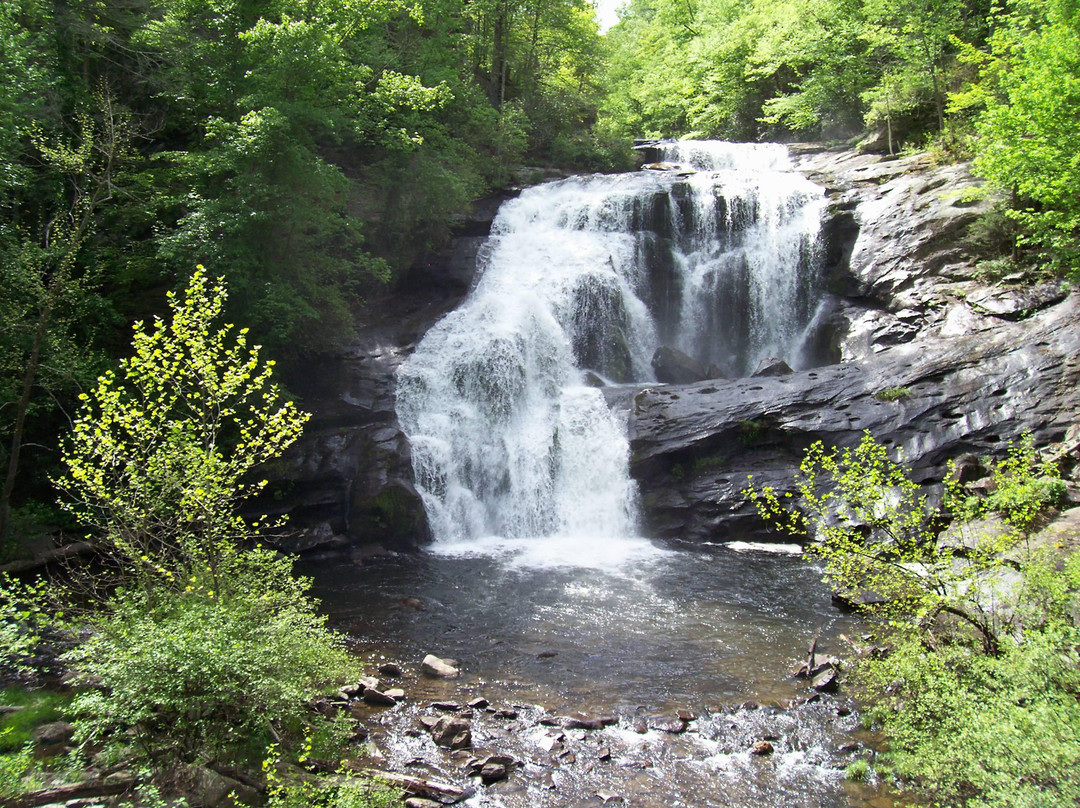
(513, 452)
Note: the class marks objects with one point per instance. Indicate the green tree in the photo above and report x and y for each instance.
(1027, 134)
(875, 531)
(207, 647)
(974, 678)
(46, 291)
(162, 456)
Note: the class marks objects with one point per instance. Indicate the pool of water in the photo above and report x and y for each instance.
(703, 629)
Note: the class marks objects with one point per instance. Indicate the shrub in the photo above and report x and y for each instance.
(209, 675)
(994, 724)
(1023, 487)
(163, 454)
(351, 792)
(858, 770)
(284, 789)
(998, 731)
(23, 619)
(15, 770)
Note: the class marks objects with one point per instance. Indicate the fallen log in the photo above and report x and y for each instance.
(42, 559)
(445, 793)
(86, 788)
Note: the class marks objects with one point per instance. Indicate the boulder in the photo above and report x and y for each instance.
(211, 789)
(1019, 302)
(672, 366)
(58, 733)
(772, 366)
(579, 721)
(452, 732)
(826, 680)
(441, 668)
(670, 724)
(972, 392)
(378, 698)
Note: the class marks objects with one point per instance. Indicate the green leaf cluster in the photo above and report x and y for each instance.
(1022, 488)
(207, 647)
(751, 69)
(16, 770)
(205, 676)
(25, 616)
(984, 731)
(284, 790)
(162, 456)
(977, 685)
(875, 531)
(1027, 130)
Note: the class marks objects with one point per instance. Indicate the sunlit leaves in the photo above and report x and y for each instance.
(878, 535)
(162, 453)
(1030, 128)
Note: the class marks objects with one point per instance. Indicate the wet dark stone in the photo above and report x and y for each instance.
(826, 681)
(673, 725)
(672, 366)
(772, 366)
(452, 732)
(377, 698)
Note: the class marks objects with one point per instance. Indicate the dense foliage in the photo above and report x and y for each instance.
(162, 455)
(975, 671)
(204, 646)
(1029, 127)
(744, 69)
(996, 80)
(310, 150)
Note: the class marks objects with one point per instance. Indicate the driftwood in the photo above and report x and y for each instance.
(56, 554)
(418, 787)
(87, 788)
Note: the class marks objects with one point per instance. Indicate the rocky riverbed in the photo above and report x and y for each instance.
(458, 739)
(653, 683)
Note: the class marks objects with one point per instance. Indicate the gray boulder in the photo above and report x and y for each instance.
(672, 366)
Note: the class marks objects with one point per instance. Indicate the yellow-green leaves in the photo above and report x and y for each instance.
(161, 453)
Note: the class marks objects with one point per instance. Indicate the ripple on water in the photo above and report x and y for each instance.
(700, 630)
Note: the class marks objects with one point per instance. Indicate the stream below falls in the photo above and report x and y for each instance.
(539, 582)
(705, 630)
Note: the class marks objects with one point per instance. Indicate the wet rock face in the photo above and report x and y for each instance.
(348, 482)
(932, 362)
(936, 364)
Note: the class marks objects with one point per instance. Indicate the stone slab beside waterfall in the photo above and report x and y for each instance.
(935, 364)
(979, 364)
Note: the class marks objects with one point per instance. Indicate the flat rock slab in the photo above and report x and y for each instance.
(694, 447)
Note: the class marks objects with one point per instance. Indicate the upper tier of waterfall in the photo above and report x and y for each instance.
(714, 253)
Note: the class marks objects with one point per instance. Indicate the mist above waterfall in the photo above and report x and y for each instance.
(715, 258)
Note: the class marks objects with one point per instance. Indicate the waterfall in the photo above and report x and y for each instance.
(583, 280)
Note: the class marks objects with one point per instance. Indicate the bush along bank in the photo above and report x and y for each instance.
(972, 666)
(192, 650)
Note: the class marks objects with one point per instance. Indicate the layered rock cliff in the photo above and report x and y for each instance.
(933, 362)
(930, 359)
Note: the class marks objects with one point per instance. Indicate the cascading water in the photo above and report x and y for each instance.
(715, 257)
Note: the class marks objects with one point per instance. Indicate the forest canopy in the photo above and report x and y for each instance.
(313, 150)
